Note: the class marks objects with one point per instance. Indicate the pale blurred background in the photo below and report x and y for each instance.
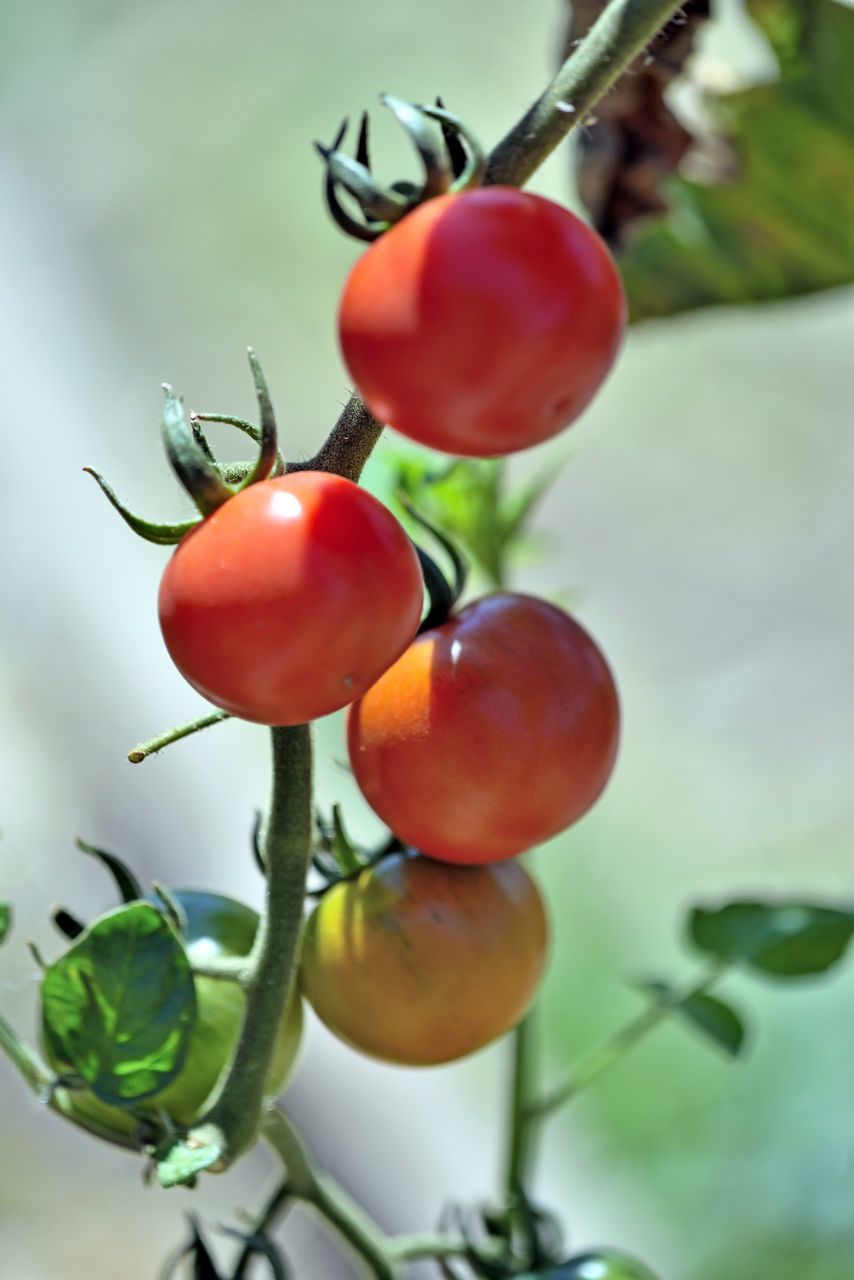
(161, 209)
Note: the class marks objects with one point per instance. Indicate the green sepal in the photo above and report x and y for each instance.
(164, 535)
(130, 890)
(182, 1163)
(67, 924)
(194, 469)
(119, 1006)
(781, 940)
(268, 453)
(5, 919)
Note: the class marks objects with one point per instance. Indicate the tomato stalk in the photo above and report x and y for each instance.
(232, 1120)
(607, 1055)
(619, 34)
(306, 1183)
(145, 749)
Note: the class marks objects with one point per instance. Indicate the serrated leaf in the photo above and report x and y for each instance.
(119, 1006)
(5, 919)
(784, 224)
(786, 940)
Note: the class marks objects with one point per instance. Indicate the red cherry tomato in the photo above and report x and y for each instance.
(419, 963)
(483, 322)
(290, 599)
(490, 734)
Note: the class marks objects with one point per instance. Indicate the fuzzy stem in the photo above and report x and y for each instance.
(618, 35)
(331, 1201)
(607, 1055)
(146, 749)
(235, 1115)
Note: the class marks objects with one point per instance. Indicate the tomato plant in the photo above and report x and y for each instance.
(420, 963)
(216, 927)
(268, 606)
(483, 322)
(491, 733)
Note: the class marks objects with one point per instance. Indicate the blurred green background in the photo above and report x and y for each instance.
(160, 210)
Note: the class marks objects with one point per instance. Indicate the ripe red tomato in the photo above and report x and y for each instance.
(483, 322)
(490, 734)
(290, 599)
(420, 963)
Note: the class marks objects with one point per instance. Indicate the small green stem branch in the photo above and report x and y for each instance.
(321, 1191)
(233, 1120)
(146, 749)
(607, 1055)
(620, 33)
(42, 1081)
(522, 1085)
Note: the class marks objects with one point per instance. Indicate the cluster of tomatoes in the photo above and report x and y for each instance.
(480, 324)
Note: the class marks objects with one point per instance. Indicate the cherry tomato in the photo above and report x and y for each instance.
(419, 963)
(216, 926)
(602, 1264)
(483, 322)
(290, 599)
(490, 734)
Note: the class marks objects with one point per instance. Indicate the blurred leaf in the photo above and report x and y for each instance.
(469, 499)
(786, 940)
(785, 224)
(709, 1015)
(119, 1006)
(5, 919)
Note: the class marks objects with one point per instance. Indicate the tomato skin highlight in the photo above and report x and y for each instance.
(290, 599)
(419, 963)
(483, 322)
(490, 734)
(216, 926)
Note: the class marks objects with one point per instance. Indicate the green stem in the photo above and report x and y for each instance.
(305, 1183)
(607, 1055)
(233, 1120)
(349, 444)
(427, 1245)
(146, 749)
(41, 1080)
(522, 1084)
(618, 35)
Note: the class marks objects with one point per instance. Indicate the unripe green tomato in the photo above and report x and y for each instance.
(601, 1264)
(216, 927)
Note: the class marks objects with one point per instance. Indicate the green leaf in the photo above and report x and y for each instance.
(786, 940)
(472, 502)
(119, 1006)
(5, 919)
(709, 1015)
(784, 224)
(716, 1020)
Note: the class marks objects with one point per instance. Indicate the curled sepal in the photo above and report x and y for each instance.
(163, 534)
(451, 157)
(257, 1245)
(429, 142)
(188, 459)
(67, 924)
(130, 890)
(194, 1248)
(268, 453)
(443, 595)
